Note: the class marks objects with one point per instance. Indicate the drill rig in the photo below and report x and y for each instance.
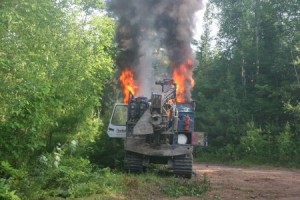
(158, 130)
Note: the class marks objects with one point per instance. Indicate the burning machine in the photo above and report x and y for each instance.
(157, 130)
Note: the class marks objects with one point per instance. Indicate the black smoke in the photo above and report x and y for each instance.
(145, 24)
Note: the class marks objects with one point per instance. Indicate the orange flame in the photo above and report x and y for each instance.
(128, 84)
(183, 77)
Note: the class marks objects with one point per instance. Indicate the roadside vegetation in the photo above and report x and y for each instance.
(247, 87)
(78, 178)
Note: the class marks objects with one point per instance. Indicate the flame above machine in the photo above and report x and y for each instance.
(183, 77)
(128, 84)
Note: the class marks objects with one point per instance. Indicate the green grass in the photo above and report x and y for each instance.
(148, 185)
(76, 178)
(109, 184)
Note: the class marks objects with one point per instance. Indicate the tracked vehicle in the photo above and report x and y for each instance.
(158, 130)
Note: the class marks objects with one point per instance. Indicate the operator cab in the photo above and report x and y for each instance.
(117, 123)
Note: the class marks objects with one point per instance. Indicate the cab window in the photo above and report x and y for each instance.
(119, 117)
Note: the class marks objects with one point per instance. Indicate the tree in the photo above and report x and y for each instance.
(254, 74)
(53, 65)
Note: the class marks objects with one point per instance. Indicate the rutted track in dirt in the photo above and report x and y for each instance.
(249, 182)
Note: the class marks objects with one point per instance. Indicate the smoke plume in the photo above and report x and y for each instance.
(145, 25)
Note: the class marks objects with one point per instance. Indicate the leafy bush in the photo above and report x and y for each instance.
(286, 145)
(176, 187)
(254, 145)
(6, 192)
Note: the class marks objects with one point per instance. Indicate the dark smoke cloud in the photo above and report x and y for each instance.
(144, 25)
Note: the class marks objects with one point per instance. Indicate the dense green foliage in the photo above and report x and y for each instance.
(55, 60)
(247, 85)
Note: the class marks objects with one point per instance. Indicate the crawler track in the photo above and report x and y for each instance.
(133, 162)
(183, 166)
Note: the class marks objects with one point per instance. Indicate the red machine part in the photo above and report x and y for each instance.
(186, 125)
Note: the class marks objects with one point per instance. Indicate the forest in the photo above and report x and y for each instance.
(59, 83)
(247, 86)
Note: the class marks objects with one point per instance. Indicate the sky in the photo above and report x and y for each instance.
(199, 21)
(198, 29)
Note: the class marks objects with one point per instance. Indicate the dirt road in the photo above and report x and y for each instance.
(249, 182)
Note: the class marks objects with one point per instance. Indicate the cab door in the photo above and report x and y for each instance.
(117, 123)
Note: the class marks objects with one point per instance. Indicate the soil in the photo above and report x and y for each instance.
(259, 183)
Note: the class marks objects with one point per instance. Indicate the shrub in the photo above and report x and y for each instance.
(6, 192)
(176, 187)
